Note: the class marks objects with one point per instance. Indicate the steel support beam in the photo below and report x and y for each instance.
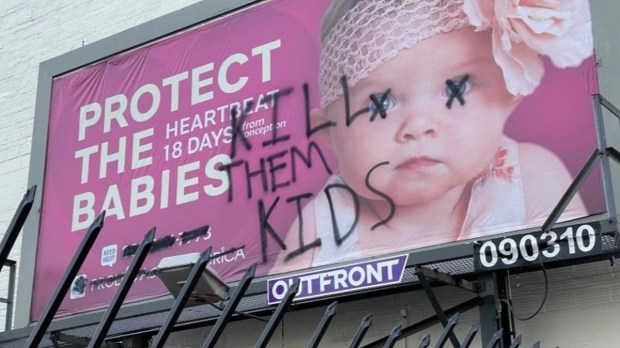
(494, 314)
(433, 299)
(448, 279)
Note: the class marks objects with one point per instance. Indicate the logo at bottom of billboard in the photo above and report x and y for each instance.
(78, 287)
(339, 280)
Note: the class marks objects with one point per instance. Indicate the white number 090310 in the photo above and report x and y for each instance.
(527, 247)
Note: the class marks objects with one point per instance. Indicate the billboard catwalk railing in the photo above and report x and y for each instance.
(97, 340)
(10, 295)
(398, 332)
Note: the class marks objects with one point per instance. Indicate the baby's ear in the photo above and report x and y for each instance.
(318, 117)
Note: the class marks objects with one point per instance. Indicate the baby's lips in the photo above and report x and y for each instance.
(417, 163)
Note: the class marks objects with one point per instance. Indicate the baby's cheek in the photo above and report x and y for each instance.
(355, 177)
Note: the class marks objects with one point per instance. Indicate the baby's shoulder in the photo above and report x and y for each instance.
(539, 162)
(545, 178)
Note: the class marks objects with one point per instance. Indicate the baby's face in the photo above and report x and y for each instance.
(431, 149)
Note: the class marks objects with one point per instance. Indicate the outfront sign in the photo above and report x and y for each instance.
(338, 280)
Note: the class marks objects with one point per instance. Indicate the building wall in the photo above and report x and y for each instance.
(30, 33)
(582, 300)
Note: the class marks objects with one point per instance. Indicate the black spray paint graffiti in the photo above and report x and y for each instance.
(456, 91)
(272, 164)
(169, 240)
(269, 166)
(378, 104)
(239, 119)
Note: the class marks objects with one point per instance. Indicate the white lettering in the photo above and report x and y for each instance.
(94, 110)
(139, 148)
(197, 84)
(138, 195)
(136, 114)
(107, 158)
(183, 183)
(265, 52)
(222, 76)
(84, 154)
(114, 114)
(112, 203)
(173, 82)
(279, 289)
(83, 205)
(219, 175)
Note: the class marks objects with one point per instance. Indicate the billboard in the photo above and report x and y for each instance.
(431, 123)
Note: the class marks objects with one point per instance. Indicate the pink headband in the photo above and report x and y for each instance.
(374, 31)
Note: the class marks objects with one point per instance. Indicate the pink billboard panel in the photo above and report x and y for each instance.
(307, 134)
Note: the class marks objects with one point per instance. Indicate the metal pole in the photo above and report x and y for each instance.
(497, 337)
(601, 140)
(121, 293)
(394, 336)
(469, 338)
(504, 311)
(182, 297)
(572, 189)
(277, 316)
(23, 209)
(608, 105)
(323, 324)
(516, 343)
(228, 311)
(361, 331)
(425, 341)
(440, 313)
(78, 259)
(447, 331)
(489, 321)
(10, 295)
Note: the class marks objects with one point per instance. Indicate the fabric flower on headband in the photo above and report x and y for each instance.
(523, 30)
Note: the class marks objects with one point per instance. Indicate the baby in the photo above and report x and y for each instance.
(414, 98)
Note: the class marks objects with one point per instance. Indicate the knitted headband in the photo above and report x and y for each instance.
(374, 31)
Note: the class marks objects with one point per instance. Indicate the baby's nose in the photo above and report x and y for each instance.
(417, 126)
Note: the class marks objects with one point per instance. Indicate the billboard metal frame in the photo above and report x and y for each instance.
(181, 20)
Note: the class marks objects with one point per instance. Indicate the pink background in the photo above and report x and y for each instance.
(558, 116)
